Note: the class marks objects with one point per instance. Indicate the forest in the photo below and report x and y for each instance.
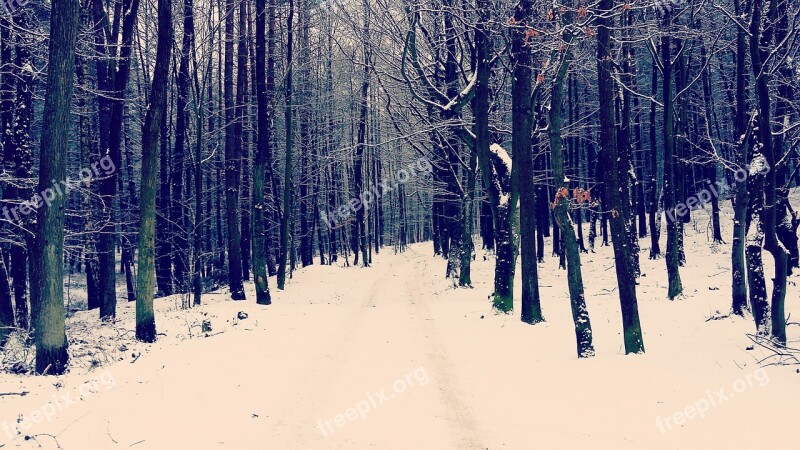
(612, 177)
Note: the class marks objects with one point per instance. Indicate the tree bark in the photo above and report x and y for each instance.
(288, 196)
(145, 283)
(233, 155)
(675, 286)
(613, 198)
(264, 92)
(522, 125)
(51, 340)
(580, 314)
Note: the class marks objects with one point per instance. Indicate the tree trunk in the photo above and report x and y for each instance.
(522, 123)
(51, 339)
(361, 238)
(675, 286)
(656, 174)
(758, 53)
(288, 196)
(179, 214)
(243, 143)
(580, 314)
(233, 155)
(145, 283)
(6, 308)
(108, 185)
(742, 199)
(613, 198)
(6, 138)
(21, 152)
(264, 92)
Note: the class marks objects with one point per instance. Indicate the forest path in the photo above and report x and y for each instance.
(383, 360)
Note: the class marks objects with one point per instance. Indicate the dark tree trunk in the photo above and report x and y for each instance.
(6, 138)
(671, 190)
(233, 157)
(614, 198)
(331, 192)
(243, 141)
(164, 228)
(487, 226)
(759, 51)
(264, 92)
(625, 142)
(145, 283)
(522, 123)
(6, 308)
(742, 199)
(358, 177)
(580, 314)
(496, 169)
(199, 224)
(711, 166)
(288, 197)
(755, 269)
(465, 270)
(108, 185)
(304, 93)
(179, 214)
(656, 174)
(21, 153)
(51, 339)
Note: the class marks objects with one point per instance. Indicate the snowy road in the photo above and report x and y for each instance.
(391, 357)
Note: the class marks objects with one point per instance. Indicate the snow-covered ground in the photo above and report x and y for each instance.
(392, 357)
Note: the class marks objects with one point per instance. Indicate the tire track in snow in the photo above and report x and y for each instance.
(463, 426)
(315, 387)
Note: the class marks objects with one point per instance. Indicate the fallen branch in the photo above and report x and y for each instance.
(718, 316)
(21, 394)
(35, 436)
(780, 355)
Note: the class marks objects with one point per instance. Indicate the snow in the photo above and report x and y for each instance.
(339, 337)
(471, 83)
(504, 200)
(758, 165)
(498, 150)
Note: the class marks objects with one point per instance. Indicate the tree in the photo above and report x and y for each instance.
(522, 124)
(496, 169)
(742, 199)
(760, 39)
(670, 160)
(264, 92)
(51, 339)
(114, 83)
(145, 283)
(358, 166)
(179, 215)
(288, 197)
(233, 162)
(19, 151)
(614, 195)
(580, 314)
